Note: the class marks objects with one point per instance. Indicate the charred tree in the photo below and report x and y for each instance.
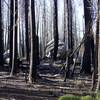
(37, 38)
(11, 30)
(1, 38)
(89, 40)
(32, 70)
(37, 50)
(26, 28)
(64, 21)
(70, 35)
(44, 31)
(69, 60)
(56, 37)
(14, 44)
(97, 57)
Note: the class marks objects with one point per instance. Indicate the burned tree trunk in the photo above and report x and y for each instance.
(26, 28)
(37, 50)
(69, 59)
(89, 40)
(11, 30)
(98, 47)
(56, 37)
(70, 35)
(14, 44)
(1, 38)
(32, 70)
(44, 31)
(64, 21)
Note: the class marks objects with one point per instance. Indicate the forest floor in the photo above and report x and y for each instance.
(49, 85)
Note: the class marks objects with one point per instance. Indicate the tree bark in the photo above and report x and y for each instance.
(98, 47)
(1, 38)
(26, 28)
(44, 31)
(89, 40)
(56, 36)
(32, 70)
(70, 35)
(11, 30)
(14, 46)
(69, 59)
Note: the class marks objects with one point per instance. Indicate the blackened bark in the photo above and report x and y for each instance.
(88, 45)
(87, 14)
(37, 50)
(70, 35)
(64, 38)
(88, 53)
(1, 38)
(32, 71)
(14, 46)
(56, 37)
(11, 30)
(26, 27)
(69, 60)
(97, 56)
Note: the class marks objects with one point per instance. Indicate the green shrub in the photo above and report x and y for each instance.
(86, 98)
(98, 96)
(69, 97)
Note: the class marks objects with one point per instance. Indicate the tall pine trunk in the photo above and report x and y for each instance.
(32, 70)
(69, 59)
(26, 28)
(56, 37)
(14, 44)
(70, 35)
(89, 41)
(1, 38)
(11, 30)
(97, 57)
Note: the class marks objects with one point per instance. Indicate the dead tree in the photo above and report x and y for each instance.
(32, 70)
(14, 44)
(97, 57)
(69, 59)
(26, 28)
(11, 30)
(44, 31)
(56, 37)
(70, 35)
(64, 21)
(1, 38)
(89, 40)
(37, 37)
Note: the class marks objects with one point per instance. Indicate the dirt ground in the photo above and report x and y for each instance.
(49, 85)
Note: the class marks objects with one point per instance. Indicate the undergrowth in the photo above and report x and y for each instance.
(73, 97)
